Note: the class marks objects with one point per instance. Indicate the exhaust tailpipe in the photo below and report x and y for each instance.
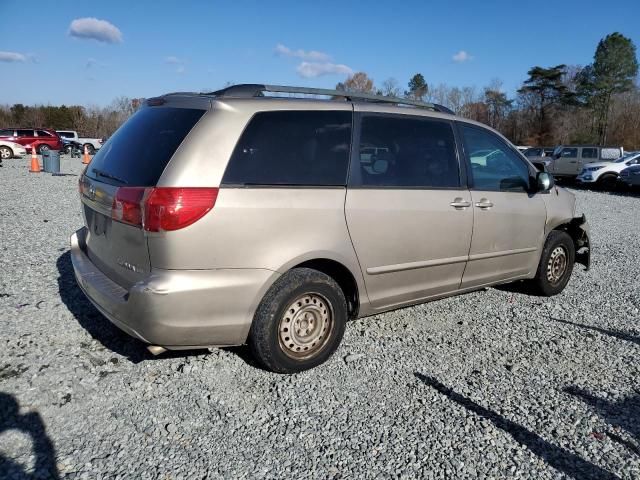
(156, 349)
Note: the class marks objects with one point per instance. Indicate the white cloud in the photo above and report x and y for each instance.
(177, 61)
(462, 56)
(311, 55)
(95, 29)
(12, 57)
(317, 69)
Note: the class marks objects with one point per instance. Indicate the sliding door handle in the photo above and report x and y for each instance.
(484, 204)
(459, 203)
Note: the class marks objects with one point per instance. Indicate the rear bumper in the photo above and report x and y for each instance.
(176, 309)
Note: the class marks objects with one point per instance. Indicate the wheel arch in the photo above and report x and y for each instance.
(578, 229)
(343, 277)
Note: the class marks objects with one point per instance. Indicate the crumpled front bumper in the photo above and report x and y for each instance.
(579, 230)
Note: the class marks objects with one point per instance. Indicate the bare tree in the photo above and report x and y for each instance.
(390, 88)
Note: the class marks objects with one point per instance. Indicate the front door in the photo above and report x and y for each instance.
(508, 226)
(408, 214)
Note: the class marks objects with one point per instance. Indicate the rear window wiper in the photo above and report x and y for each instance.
(101, 173)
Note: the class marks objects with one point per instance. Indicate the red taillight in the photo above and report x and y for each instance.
(127, 205)
(169, 208)
(162, 208)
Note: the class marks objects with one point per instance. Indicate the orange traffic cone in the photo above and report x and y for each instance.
(85, 157)
(35, 164)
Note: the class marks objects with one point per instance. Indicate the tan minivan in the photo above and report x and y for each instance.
(243, 217)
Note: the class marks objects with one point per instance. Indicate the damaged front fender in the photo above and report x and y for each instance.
(579, 230)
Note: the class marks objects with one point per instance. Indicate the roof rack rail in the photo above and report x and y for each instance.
(249, 90)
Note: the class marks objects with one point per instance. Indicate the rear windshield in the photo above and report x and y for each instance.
(141, 148)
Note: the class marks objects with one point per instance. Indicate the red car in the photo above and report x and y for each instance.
(44, 138)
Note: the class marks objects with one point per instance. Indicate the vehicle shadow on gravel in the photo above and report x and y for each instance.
(30, 424)
(557, 457)
(101, 329)
(619, 334)
(623, 414)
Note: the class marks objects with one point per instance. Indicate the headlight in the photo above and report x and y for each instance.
(593, 169)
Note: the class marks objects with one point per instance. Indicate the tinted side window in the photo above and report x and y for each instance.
(42, 133)
(25, 133)
(494, 166)
(569, 153)
(292, 148)
(589, 153)
(6, 133)
(403, 151)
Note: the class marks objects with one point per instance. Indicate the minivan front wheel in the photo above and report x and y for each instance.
(299, 323)
(556, 264)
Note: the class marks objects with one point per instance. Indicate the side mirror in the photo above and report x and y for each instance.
(544, 181)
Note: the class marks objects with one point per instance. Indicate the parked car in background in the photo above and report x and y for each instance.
(69, 145)
(630, 176)
(44, 138)
(92, 144)
(306, 214)
(605, 174)
(523, 148)
(538, 153)
(569, 160)
(11, 149)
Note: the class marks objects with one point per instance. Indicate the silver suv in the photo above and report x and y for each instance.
(241, 217)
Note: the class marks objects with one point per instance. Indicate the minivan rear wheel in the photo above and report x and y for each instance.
(556, 264)
(299, 323)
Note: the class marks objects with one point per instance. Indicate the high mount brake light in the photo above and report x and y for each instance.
(162, 208)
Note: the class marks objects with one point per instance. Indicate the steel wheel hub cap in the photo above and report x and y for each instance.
(305, 326)
(557, 265)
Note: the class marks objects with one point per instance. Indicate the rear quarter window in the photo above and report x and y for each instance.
(141, 148)
(306, 148)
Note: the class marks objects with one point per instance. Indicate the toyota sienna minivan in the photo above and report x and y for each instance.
(241, 216)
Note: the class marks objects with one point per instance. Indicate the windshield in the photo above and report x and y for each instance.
(626, 157)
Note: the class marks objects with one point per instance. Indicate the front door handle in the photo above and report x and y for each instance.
(484, 204)
(459, 203)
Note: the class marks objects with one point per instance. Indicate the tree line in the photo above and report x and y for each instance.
(91, 121)
(562, 104)
(597, 103)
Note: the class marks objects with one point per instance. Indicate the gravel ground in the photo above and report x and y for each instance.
(493, 384)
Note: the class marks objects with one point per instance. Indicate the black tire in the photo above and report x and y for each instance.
(314, 293)
(90, 149)
(43, 148)
(608, 181)
(67, 149)
(5, 153)
(548, 281)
